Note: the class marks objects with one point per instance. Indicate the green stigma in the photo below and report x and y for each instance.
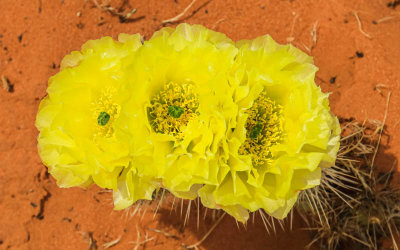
(255, 131)
(103, 118)
(175, 111)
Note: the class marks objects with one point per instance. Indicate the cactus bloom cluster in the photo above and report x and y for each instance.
(241, 125)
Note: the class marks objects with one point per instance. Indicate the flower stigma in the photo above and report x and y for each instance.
(175, 111)
(255, 131)
(103, 118)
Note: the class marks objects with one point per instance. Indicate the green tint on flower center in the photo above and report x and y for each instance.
(256, 131)
(264, 128)
(103, 118)
(175, 111)
(172, 108)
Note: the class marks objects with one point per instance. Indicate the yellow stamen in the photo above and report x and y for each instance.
(105, 112)
(172, 108)
(264, 128)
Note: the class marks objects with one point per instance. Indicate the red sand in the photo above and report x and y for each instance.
(36, 34)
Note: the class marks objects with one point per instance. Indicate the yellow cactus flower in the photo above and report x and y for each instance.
(285, 132)
(82, 120)
(181, 98)
(242, 126)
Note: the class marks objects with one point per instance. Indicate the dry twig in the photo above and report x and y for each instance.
(385, 19)
(6, 84)
(380, 132)
(291, 38)
(177, 17)
(114, 11)
(379, 88)
(166, 234)
(218, 22)
(138, 243)
(314, 34)
(360, 25)
(195, 245)
(112, 243)
(92, 242)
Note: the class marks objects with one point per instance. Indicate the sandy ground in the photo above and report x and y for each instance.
(359, 66)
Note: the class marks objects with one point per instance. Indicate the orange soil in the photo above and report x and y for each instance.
(36, 34)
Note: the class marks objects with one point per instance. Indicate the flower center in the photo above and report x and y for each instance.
(172, 108)
(106, 111)
(264, 128)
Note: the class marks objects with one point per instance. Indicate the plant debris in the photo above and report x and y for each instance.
(359, 54)
(393, 4)
(20, 37)
(166, 234)
(177, 17)
(138, 241)
(80, 25)
(360, 28)
(92, 242)
(122, 15)
(7, 85)
(112, 243)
